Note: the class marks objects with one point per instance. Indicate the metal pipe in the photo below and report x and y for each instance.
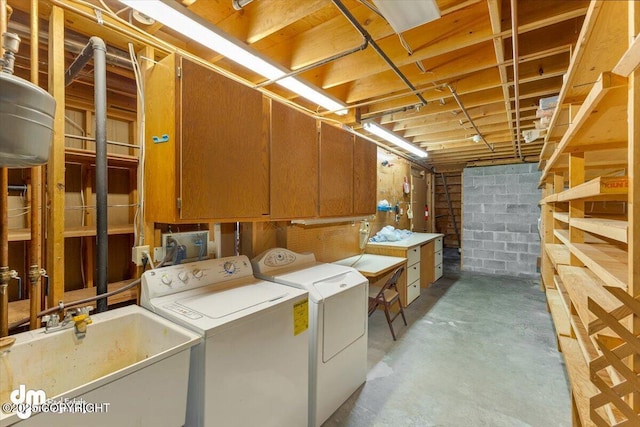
(86, 138)
(363, 46)
(516, 80)
(377, 48)
(35, 249)
(99, 49)
(466, 113)
(4, 213)
(239, 4)
(17, 188)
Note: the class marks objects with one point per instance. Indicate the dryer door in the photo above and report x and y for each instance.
(344, 319)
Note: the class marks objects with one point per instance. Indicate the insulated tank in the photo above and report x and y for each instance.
(26, 122)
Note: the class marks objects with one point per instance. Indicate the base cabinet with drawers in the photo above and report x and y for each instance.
(423, 252)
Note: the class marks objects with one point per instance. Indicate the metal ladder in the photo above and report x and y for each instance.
(453, 217)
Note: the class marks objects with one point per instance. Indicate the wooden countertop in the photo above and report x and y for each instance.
(370, 265)
(415, 239)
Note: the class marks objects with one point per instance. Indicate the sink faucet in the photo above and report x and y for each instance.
(76, 317)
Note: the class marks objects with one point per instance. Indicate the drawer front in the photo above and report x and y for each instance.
(413, 255)
(413, 291)
(438, 271)
(438, 244)
(413, 273)
(437, 258)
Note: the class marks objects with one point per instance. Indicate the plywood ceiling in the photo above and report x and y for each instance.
(468, 50)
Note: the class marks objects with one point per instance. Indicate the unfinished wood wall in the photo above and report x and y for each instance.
(441, 213)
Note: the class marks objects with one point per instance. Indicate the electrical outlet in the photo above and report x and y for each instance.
(138, 253)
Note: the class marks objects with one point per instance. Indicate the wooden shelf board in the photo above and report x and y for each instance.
(19, 310)
(601, 188)
(551, 198)
(600, 121)
(564, 295)
(91, 231)
(558, 313)
(607, 262)
(581, 284)
(610, 228)
(581, 386)
(561, 216)
(19, 234)
(77, 155)
(588, 348)
(558, 253)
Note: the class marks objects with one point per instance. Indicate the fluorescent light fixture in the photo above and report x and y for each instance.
(391, 137)
(403, 15)
(315, 221)
(181, 19)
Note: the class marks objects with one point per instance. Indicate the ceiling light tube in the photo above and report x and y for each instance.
(181, 19)
(391, 137)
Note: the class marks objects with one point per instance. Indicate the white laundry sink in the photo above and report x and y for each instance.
(131, 369)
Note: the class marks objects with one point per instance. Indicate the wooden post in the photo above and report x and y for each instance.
(576, 207)
(55, 167)
(634, 193)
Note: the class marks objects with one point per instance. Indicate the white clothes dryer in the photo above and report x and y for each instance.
(252, 367)
(337, 323)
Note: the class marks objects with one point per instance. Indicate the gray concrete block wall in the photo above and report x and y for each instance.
(500, 220)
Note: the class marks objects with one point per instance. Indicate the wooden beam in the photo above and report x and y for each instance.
(56, 166)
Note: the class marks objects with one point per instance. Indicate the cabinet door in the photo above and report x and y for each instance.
(336, 172)
(294, 163)
(427, 264)
(224, 165)
(365, 177)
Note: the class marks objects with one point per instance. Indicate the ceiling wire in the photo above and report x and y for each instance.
(377, 48)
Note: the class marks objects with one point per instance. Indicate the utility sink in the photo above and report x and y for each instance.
(131, 369)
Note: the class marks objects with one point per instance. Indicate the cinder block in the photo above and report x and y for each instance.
(483, 254)
(529, 178)
(517, 247)
(525, 238)
(534, 248)
(529, 199)
(506, 256)
(504, 218)
(472, 226)
(518, 208)
(478, 198)
(470, 208)
(504, 237)
(494, 226)
(472, 262)
(495, 265)
(518, 228)
(503, 199)
(495, 208)
(483, 217)
(484, 180)
(472, 244)
(494, 246)
(528, 258)
(483, 235)
(495, 189)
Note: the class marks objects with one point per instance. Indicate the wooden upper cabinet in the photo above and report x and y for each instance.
(336, 172)
(210, 158)
(294, 163)
(365, 177)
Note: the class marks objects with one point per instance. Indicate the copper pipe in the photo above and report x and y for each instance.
(5, 13)
(35, 252)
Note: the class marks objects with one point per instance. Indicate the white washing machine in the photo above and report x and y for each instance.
(252, 367)
(337, 323)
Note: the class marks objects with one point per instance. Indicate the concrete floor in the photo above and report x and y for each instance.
(478, 350)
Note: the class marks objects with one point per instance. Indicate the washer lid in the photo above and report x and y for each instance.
(223, 303)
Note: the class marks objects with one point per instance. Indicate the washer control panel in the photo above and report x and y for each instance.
(177, 278)
(274, 259)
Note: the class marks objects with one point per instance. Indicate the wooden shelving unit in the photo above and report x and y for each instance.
(589, 259)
